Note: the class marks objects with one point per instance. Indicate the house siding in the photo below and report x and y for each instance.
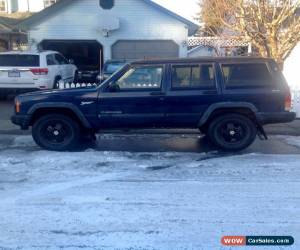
(291, 68)
(34, 5)
(138, 21)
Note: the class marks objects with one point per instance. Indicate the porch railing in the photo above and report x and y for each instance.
(73, 85)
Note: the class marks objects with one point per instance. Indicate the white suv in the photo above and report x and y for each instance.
(34, 70)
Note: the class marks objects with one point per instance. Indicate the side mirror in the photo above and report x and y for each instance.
(113, 87)
(71, 61)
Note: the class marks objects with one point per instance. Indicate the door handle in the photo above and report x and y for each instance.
(157, 94)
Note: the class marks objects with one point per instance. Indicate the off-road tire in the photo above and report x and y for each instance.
(56, 132)
(232, 132)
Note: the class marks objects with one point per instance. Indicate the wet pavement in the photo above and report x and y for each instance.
(188, 143)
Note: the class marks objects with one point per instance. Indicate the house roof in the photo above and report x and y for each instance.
(9, 21)
(192, 27)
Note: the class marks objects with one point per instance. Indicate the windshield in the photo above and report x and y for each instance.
(111, 68)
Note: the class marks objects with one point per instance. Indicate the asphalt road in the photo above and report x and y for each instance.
(137, 143)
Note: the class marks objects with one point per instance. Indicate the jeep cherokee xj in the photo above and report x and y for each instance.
(228, 99)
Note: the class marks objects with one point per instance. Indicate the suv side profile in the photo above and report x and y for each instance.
(25, 71)
(228, 99)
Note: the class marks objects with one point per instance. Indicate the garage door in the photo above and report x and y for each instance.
(132, 50)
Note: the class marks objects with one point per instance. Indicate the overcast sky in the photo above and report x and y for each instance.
(186, 8)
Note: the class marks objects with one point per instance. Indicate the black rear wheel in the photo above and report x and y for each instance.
(232, 132)
(56, 132)
(56, 83)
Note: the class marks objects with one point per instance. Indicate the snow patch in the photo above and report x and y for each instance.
(23, 141)
(125, 200)
(291, 140)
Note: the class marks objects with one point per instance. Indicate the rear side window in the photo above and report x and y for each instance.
(19, 60)
(51, 60)
(193, 76)
(246, 75)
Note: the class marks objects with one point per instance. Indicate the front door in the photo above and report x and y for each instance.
(134, 100)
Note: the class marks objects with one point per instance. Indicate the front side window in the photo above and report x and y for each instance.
(149, 77)
(107, 4)
(3, 5)
(193, 76)
(48, 3)
(246, 75)
(60, 59)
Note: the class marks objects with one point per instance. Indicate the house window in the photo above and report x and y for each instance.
(48, 3)
(3, 6)
(107, 4)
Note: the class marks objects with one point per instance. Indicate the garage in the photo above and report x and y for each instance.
(86, 54)
(144, 49)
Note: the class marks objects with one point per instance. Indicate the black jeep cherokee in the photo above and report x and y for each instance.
(229, 99)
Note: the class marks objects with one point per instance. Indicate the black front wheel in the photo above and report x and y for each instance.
(56, 132)
(232, 132)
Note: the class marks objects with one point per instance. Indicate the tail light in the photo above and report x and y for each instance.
(288, 102)
(17, 106)
(39, 71)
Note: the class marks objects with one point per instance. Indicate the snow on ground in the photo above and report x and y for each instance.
(291, 140)
(124, 200)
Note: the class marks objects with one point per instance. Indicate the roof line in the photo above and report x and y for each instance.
(192, 27)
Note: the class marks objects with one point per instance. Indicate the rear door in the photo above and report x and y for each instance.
(137, 99)
(192, 89)
(252, 82)
(15, 69)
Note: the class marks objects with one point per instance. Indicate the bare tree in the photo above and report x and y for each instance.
(272, 26)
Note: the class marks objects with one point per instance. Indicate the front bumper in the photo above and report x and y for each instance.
(21, 120)
(278, 117)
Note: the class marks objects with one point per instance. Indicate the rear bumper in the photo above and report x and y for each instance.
(21, 120)
(271, 118)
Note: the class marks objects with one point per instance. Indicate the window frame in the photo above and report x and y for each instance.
(255, 86)
(162, 66)
(205, 87)
(5, 6)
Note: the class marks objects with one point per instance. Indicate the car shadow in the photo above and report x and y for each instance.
(150, 143)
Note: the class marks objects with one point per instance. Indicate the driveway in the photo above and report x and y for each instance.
(6, 111)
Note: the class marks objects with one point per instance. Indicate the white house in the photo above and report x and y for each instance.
(92, 31)
(11, 6)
